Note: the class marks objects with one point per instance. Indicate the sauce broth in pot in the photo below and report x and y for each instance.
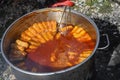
(41, 48)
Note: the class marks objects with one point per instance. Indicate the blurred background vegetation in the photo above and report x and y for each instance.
(10, 10)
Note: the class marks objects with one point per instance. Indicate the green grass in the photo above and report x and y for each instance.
(1, 78)
(104, 5)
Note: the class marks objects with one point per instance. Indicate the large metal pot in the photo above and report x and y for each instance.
(78, 72)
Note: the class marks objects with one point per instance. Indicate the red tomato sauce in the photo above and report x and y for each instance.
(41, 57)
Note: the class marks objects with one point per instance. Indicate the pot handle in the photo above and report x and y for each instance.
(107, 40)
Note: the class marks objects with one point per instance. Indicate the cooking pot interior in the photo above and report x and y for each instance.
(27, 20)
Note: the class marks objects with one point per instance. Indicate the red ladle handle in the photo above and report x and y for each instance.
(63, 3)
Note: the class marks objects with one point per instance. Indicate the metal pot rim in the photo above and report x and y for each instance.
(56, 72)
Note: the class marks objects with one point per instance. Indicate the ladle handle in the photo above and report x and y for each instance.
(60, 21)
(107, 40)
(64, 3)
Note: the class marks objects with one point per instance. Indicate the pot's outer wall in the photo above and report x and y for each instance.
(79, 71)
(84, 72)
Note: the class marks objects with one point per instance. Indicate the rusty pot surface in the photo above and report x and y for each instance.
(81, 71)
